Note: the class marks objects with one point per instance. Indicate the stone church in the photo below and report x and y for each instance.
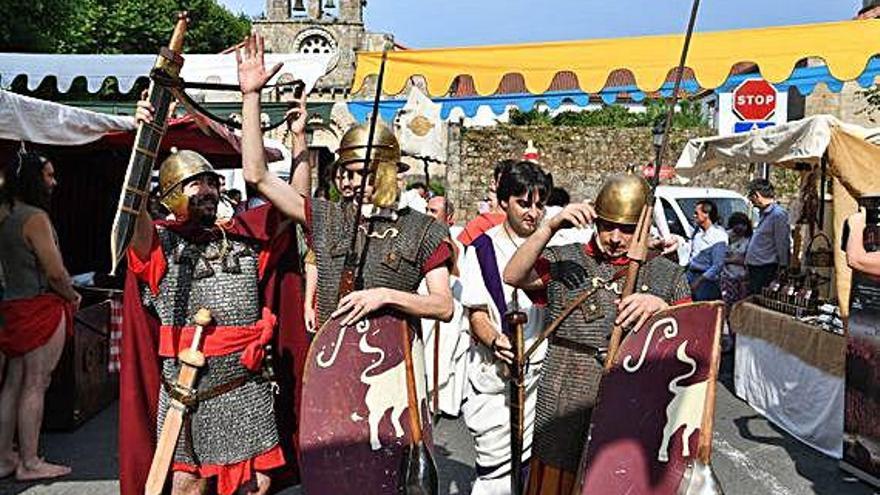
(321, 26)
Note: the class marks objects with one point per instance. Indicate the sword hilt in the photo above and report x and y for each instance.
(192, 355)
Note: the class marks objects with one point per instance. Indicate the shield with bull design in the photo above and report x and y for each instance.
(651, 431)
(353, 421)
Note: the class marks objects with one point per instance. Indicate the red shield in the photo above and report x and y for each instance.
(646, 426)
(354, 416)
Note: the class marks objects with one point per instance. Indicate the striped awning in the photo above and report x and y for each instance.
(845, 47)
(127, 69)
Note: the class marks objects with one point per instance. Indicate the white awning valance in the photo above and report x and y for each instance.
(127, 69)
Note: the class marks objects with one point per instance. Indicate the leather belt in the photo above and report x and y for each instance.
(193, 397)
(599, 353)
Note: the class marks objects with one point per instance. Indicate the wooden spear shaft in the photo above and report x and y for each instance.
(639, 247)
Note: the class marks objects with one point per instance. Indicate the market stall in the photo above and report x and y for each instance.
(792, 373)
(788, 366)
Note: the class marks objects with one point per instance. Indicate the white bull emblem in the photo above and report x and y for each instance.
(685, 409)
(387, 390)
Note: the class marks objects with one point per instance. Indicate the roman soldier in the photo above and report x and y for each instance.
(395, 249)
(569, 384)
(233, 269)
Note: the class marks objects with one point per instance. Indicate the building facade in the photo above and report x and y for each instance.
(319, 26)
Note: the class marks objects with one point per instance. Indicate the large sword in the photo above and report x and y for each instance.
(191, 360)
(135, 189)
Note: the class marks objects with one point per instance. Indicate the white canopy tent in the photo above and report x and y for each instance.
(127, 69)
(23, 118)
(852, 153)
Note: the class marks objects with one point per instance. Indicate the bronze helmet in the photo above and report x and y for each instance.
(622, 198)
(177, 168)
(353, 146)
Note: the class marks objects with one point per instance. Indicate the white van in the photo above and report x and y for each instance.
(674, 211)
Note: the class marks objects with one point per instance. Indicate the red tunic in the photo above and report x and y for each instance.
(480, 224)
(142, 345)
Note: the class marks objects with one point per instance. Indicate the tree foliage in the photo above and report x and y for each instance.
(872, 100)
(688, 116)
(115, 26)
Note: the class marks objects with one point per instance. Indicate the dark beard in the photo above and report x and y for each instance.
(202, 209)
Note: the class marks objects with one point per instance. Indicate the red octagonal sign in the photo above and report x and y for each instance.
(754, 99)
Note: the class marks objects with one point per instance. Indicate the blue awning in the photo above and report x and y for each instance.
(804, 79)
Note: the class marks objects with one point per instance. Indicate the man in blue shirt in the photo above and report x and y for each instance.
(770, 247)
(708, 249)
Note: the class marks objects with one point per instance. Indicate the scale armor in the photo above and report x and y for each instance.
(238, 424)
(569, 383)
(396, 251)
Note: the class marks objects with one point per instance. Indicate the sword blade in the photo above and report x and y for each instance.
(135, 192)
(168, 437)
(135, 188)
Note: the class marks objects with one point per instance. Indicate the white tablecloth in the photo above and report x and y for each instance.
(799, 398)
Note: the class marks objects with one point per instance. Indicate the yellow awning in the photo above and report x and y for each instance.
(845, 46)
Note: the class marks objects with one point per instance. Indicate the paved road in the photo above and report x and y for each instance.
(751, 457)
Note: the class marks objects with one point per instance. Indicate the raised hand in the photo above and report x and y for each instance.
(252, 72)
(577, 215)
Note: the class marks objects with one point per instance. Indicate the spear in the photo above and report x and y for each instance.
(135, 190)
(516, 320)
(418, 471)
(638, 249)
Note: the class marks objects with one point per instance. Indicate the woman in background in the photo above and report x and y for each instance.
(734, 276)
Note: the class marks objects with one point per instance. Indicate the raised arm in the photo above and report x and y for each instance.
(142, 239)
(252, 77)
(519, 271)
(296, 123)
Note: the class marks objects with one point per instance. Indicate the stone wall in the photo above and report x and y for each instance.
(849, 105)
(579, 158)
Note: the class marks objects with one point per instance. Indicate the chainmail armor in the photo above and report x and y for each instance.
(239, 424)
(229, 428)
(198, 277)
(569, 383)
(396, 251)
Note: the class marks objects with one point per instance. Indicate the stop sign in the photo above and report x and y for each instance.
(754, 99)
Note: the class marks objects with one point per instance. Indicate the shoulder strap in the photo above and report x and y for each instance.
(485, 251)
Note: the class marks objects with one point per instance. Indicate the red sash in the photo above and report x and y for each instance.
(220, 341)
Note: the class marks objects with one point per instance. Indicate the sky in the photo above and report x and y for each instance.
(436, 23)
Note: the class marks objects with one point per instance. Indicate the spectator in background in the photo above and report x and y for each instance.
(448, 356)
(770, 246)
(234, 196)
(229, 201)
(495, 214)
(734, 276)
(559, 198)
(37, 311)
(420, 187)
(708, 248)
(415, 196)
